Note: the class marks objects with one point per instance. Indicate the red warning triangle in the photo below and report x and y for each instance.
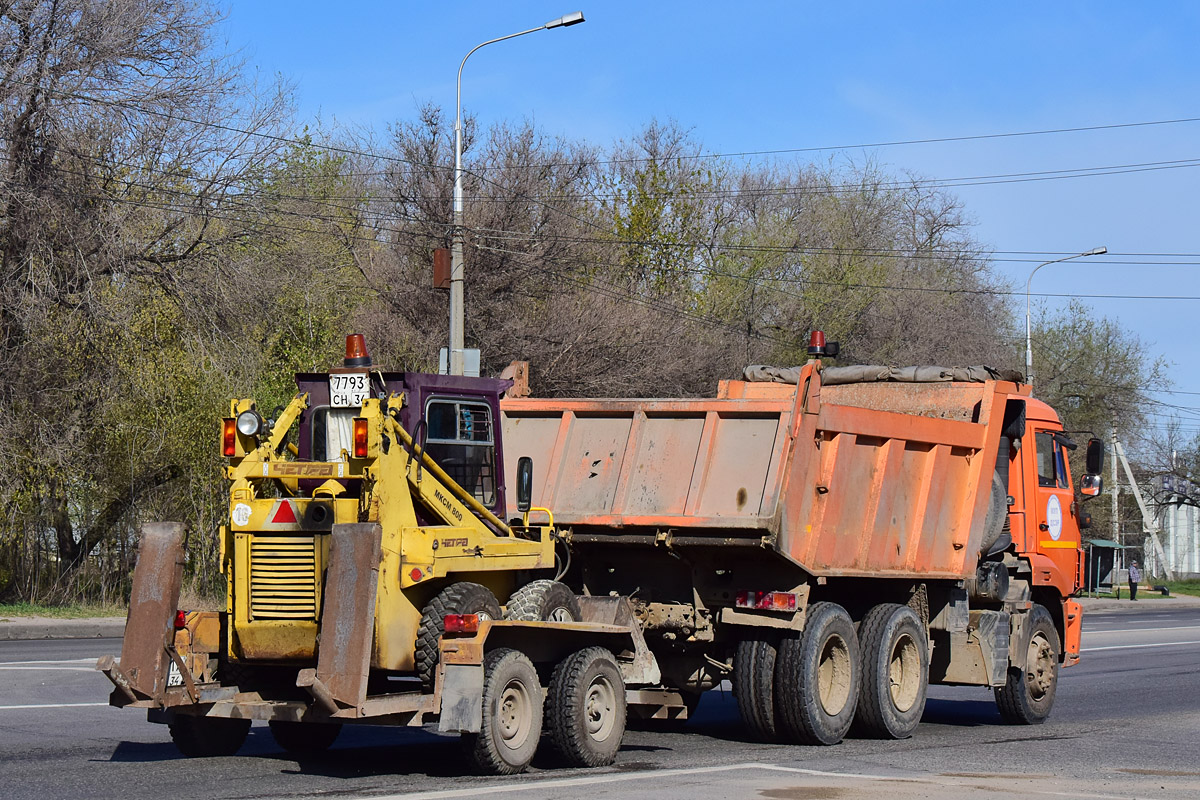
(285, 513)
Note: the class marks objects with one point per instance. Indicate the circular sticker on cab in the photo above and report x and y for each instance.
(241, 515)
(1054, 517)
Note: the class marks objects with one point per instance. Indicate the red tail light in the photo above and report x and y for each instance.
(360, 437)
(766, 601)
(229, 437)
(180, 620)
(461, 623)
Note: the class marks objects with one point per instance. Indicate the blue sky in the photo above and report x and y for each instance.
(775, 75)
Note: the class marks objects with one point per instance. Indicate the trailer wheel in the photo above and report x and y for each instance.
(457, 598)
(895, 672)
(816, 677)
(1028, 695)
(512, 715)
(544, 600)
(205, 737)
(586, 708)
(754, 687)
(304, 738)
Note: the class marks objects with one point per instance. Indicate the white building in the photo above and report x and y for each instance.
(1178, 518)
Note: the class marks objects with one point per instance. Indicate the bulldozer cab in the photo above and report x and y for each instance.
(452, 417)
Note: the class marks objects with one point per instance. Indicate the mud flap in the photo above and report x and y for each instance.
(347, 618)
(150, 626)
(1073, 628)
(462, 698)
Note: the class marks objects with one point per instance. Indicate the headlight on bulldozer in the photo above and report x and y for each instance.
(249, 423)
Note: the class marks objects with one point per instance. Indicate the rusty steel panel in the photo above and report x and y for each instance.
(150, 626)
(347, 619)
(872, 479)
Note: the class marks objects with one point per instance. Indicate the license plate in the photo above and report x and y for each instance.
(348, 390)
(174, 676)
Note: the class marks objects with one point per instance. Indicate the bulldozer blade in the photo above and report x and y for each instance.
(150, 626)
(344, 656)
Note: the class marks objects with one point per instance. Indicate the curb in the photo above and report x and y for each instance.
(26, 628)
(1155, 603)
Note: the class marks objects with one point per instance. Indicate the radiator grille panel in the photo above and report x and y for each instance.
(283, 577)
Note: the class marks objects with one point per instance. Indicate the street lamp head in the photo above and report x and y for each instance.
(1099, 251)
(573, 18)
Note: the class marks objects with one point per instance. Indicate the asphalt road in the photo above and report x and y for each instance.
(1126, 724)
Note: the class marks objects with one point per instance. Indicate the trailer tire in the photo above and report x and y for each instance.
(544, 601)
(512, 715)
(206, 737)
(754, 663)
(585, 711)
(304, 738)
(817, 677)
(457, 598)
(895, 672)
(1028, 693)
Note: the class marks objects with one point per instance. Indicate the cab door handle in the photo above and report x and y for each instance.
(1043, 526)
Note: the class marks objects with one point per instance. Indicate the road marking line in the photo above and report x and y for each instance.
(5, 668)
(56, 661)
(1147, 630)
(555, 783)
(53, 705)
(1136, 646)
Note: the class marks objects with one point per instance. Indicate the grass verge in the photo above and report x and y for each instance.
(72, 611)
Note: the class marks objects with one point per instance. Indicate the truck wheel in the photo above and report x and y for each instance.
(1028, 695)
(895, 672)
(512, 715)
(586, 708)
(754, 687)
(543, 600)
(816, 677)
(304, 738)
(204, 737)
(457, 598)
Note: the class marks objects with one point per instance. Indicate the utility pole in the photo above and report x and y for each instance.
(1148, 526)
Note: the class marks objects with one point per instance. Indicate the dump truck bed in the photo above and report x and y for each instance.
(860, 479)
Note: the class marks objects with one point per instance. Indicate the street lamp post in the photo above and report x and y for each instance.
(457, 315)
(1099, 251)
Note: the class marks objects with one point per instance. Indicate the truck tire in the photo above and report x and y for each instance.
(754, 687)
(585, 708)
(895, 672)
(304, 738)
(1028, 695)
(817, 677)
(512, 715)
(205, 737)
(457, 598)
(997, 514)
(543, 600)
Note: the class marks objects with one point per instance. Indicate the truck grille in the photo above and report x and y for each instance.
(283, 577)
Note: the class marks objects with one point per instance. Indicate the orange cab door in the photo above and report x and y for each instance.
(1056, 531)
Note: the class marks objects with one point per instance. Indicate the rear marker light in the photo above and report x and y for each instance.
(461, 623)
(766, 601)
(416, 574)
(180, 620)
(229, 437)
(360, 437)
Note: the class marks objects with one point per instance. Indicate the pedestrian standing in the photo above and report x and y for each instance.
(1135, 575)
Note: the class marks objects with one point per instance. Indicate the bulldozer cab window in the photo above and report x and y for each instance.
(332, 432)
(460, 439)
(1051, 465)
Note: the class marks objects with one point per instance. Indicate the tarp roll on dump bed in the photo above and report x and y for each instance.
(870, 479)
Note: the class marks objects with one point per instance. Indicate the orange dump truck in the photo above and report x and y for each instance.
(832, 544)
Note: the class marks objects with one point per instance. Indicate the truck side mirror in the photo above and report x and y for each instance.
(1092, 483)
(1095, 457)
(524, 484)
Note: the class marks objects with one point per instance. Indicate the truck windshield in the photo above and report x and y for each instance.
(460, 440)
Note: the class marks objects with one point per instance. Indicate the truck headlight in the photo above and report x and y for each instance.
(249, 423)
